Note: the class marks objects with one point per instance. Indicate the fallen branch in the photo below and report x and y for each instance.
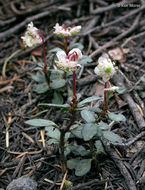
(119, 81)
(123, 170)
(119, 37)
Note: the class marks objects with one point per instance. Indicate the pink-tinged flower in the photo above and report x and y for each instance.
(106, 68)
(69, 63)
(32, 36)
(64, 31)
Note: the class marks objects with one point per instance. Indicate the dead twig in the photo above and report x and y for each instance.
(119, 81)
(129, 143)
(123, 170)
(119, 37)
(114, 21)
(35, 17)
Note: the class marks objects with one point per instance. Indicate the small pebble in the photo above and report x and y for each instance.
(22, 183)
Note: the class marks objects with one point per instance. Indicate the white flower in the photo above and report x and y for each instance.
(75, 30)
(64, 31)
(69, 62)
(32, 36)
(113, 88)
(106, 68)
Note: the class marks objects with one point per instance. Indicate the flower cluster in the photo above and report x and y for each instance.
(64, 31)
(69, 62)
(32, 36)
(106, 68)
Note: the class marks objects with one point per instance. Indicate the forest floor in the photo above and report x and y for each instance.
(107, 27)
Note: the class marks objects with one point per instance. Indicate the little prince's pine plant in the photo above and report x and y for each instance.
(90, 129)
(106, 69)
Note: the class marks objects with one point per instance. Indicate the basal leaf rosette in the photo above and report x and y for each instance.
(63, 31)
(32, 36)
(69, 63)
(106, 68)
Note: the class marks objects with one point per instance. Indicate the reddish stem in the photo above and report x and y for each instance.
(74, 85)
(105, 93)
(105, 97)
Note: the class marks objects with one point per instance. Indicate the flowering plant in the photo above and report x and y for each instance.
(91, 128)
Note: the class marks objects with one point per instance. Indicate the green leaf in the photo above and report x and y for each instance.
(40, 122)
(85, 59)
(67, 150)
(142, 78)
(83, 167)
(109, 135)
(88, 116)
(121, 90)
(103, 126)
(116, 117)
(72, 163)
(142, 93)
(41, 88)
(78, 150)
(76, 130)
(57, 98)
(77, 45)
(95, 109)
(52, 141)
(39, 78)
(39, 113)
(52, 132)
(88, 100)
(89, 130)
(55, 105)
(67, 135)
(99, 147)
(56, 74)
(54, 50)
(55, 84)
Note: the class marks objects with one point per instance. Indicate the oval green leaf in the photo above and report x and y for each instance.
(116, 117)
(83, 167)
(88, 100)
(40, 122)
(58, 83)
(89, 131)
(88, 116)
(72, 163)
(109, 135)
(52, 132)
